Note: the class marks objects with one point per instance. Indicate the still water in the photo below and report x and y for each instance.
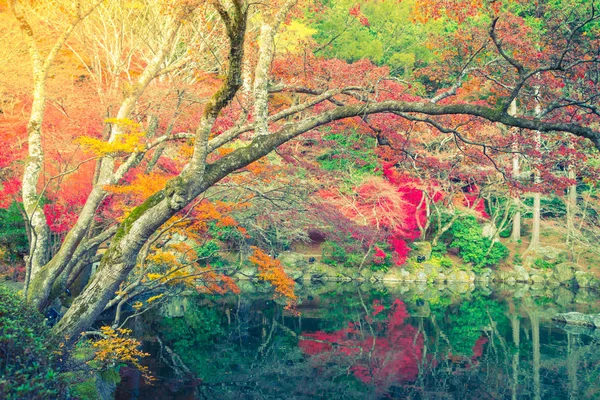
(370, 342)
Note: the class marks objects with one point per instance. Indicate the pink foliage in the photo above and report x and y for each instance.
(394, 357)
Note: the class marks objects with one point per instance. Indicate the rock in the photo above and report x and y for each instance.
(294, 260)
(396, 275)
(538, 286)
(107, 386)
(520, 274)
(549, 253)
(440, 277)
(420, 276)
(486, 272)
(584, 296)
(472, 276)
(430, 269)
(564, 272)
(576, 318)
(537, 279)
(582, 330)
(248, 271)
(502, 276)
(459, 287)
(458, 276)
(422, 249)
(584, 279)
(489, 230)
(564, 296)
(520, 291)
(529, 262)
(293, 273)
(379, 276)
(510, 281)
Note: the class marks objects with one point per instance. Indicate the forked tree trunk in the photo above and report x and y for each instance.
(41, 284)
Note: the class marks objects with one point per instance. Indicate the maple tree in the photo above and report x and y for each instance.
(160, 116)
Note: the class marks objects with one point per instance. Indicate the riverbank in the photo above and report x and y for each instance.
(306, 267)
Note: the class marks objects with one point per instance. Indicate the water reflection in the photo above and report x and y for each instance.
(359, 342)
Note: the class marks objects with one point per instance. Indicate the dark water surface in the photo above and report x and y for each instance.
(371, 342)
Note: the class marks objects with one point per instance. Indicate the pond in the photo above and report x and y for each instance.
(351, 341)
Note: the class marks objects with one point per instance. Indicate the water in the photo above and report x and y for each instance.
(371, 342)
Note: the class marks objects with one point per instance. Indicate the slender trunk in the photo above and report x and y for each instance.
(40, 233)
(571, 205)
(268, 30)
(534, 244)
(516, 222)
(261, 79)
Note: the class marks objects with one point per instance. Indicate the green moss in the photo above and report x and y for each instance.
(137, 212)
(111, 376)
(83, 353)
(85, 390)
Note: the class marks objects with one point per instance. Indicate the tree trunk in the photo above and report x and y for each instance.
(534, 244)
(268, 30)
(515, 235)
(516, 222)
(41, 283)
(142, 222)
(571, 205)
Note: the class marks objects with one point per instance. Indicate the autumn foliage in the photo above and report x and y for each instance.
(271, 270)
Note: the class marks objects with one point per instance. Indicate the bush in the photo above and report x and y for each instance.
(352, 256)
(446, 262)
(543, 264)
(28, 363)
(472, 246)
(439, 250)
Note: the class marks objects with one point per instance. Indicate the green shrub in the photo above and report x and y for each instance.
(352, 256)
(28, 364)
(542, 264)
(446, 262)
(439, 250)
(13, 236)
(334, 254)
(468, 237)
(517, 259)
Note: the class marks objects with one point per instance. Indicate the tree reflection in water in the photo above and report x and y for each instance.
(370, 343)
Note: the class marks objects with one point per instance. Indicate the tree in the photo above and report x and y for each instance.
(316, 92)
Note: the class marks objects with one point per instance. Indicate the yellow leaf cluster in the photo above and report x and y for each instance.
(141, 187)
(116, 347)
(154, 298)
(127, 142)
